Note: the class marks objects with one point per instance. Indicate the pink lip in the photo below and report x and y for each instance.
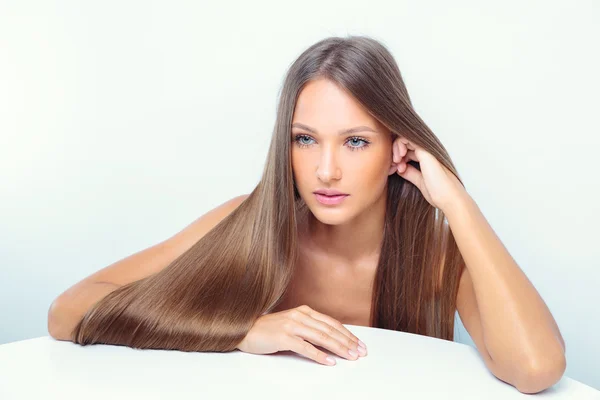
(330, 200)
(329, 192)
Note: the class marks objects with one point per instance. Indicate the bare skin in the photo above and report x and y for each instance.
(339, 249)
(349, 234)
(505, 316)
(339, 244)
(342, 291)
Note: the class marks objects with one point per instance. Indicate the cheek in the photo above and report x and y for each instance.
(365, 170)
(370, 171)
(300, 167)
(304, 159)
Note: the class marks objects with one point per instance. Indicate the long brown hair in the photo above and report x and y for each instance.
(210, 296)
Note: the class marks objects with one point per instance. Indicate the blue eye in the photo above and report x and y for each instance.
(300, 137)
(299, 140)
(357, 139)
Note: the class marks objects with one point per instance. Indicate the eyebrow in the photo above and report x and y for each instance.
(342, 132)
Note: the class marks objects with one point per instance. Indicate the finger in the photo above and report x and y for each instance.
(401, 166)
(408, 144)
(407, 155)
(306, 349)
(349, 338)
(411, 174)
(351, 348)
(411, 155)
(395, 154)
(324, 339)
(402, 149)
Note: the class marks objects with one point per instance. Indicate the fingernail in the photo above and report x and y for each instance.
(362, 344)
(352, 353)
(330, 360)
(362, 350)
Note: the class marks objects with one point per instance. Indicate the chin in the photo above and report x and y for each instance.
(329, 221)
(329, 216)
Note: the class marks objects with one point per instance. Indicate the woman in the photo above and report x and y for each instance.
(359, 218)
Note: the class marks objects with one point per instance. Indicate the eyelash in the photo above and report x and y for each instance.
(353, 148)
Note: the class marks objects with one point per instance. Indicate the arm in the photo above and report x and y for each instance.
(517, 334)
(66, 311)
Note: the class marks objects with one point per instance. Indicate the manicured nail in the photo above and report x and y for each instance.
(362, 344)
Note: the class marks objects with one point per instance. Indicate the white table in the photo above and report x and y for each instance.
(399, 366)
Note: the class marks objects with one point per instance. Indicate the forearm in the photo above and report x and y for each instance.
(68, 309)
(515, 320)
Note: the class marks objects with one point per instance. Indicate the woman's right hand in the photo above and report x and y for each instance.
(295, 329)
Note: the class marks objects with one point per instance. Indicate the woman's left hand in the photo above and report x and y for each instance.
(438, 185)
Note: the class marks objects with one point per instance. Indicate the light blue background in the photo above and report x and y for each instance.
(123, 121)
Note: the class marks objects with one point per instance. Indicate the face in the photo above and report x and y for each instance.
(355, 163)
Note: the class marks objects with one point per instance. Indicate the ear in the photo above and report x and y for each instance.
(393, 168)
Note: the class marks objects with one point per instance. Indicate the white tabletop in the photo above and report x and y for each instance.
(399, 365)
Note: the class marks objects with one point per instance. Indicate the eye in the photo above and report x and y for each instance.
(355, 141)
(299, 140)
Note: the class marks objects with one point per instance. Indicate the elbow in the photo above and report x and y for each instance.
(542, 374)
(55, 325)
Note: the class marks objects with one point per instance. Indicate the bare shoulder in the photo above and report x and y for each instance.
(156, 257)
(79, 297)
(184, 239)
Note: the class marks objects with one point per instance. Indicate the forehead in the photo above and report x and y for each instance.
(324, 105)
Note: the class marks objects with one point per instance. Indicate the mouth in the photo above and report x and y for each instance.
(329, 192)
(330, 199)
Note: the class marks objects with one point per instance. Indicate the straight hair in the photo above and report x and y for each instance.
(210, 296)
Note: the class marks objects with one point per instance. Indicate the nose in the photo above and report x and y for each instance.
(328, 167)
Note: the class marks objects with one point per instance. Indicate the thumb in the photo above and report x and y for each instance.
(411, 174)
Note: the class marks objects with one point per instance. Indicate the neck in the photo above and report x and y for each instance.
(353, 241)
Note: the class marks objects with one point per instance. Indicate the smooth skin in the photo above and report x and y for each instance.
(356, 162)
(503, 313)
(494, 298)
(297, 329)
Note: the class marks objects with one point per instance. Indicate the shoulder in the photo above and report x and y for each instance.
(185, 238)
(236, 201)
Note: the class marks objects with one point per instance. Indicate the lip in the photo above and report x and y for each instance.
(330, 200)
(329, 192)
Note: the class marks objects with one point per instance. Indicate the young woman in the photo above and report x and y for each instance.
(359, 218)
